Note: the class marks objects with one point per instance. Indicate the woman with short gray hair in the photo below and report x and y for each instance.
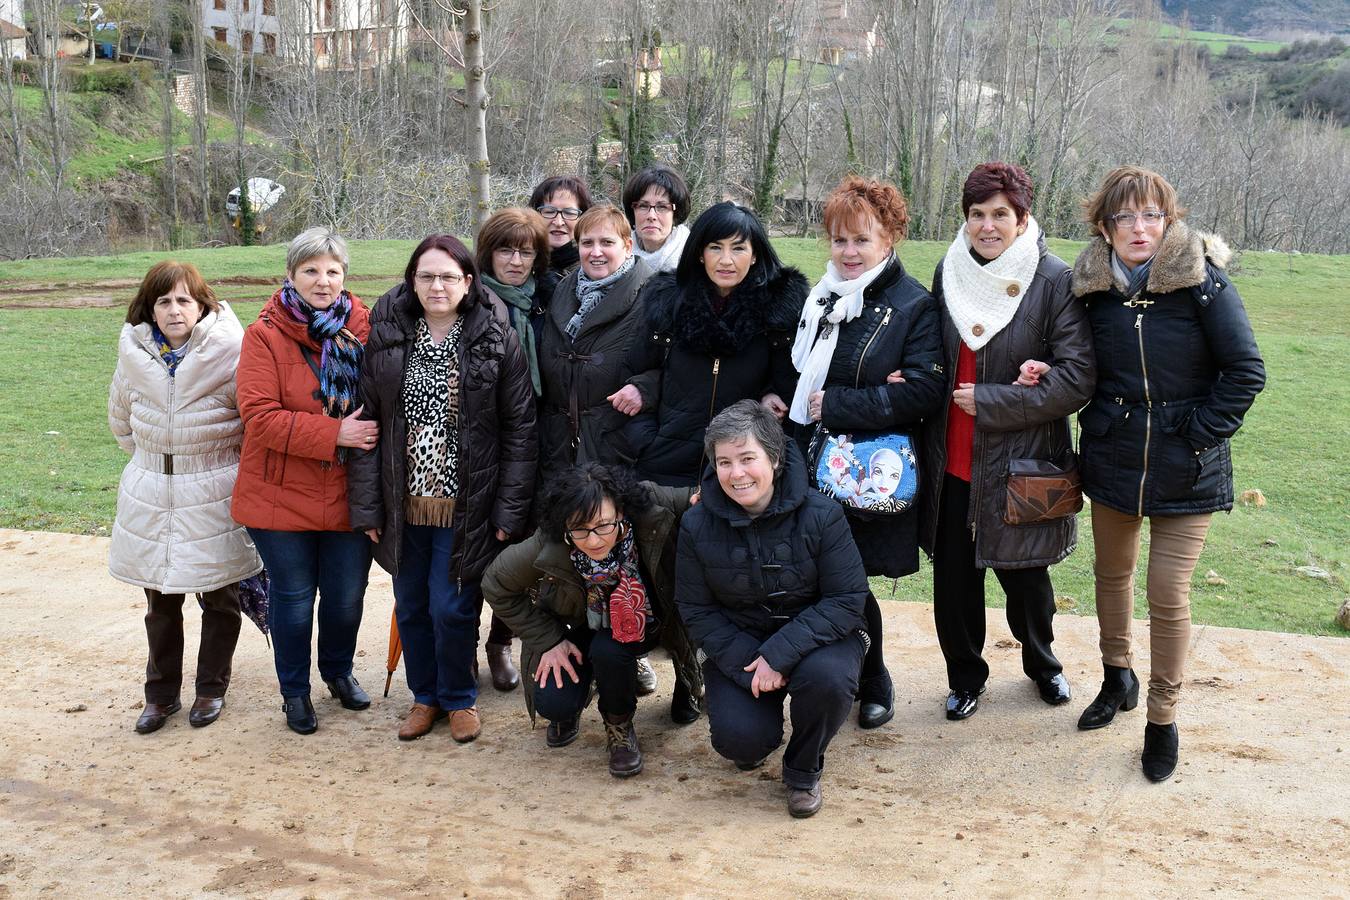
(771, 587)
(297, 386)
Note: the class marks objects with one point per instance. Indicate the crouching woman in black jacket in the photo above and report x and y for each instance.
(770, 586)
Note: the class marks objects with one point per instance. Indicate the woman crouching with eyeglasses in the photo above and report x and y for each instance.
(589, 593)
(452, 476)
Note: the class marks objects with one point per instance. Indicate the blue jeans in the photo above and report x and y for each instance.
(336, 564)
(437, 620)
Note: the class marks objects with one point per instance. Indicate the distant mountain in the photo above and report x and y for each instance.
(1265, 17)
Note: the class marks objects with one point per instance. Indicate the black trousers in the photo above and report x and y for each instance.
(958, 600)
(746, 728)
(611, 664)
(164, 630)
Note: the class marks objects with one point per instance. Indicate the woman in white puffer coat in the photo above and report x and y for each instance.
(172, 407)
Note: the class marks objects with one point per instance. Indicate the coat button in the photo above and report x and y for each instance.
(977, 330)
(1013, 290)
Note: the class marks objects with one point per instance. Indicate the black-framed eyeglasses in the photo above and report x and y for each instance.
(570, 213)
(661, 209)
(603, 530)
(506, 253)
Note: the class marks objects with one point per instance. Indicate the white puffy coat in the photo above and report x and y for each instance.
(173, 531)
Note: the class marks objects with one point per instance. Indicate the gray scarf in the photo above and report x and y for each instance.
(590, 293)
(1134, 280)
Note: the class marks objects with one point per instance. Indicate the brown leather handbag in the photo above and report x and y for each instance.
(1041, 491)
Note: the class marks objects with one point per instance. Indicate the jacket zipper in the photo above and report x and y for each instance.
(1148, 408)
(712, 404)
(976, 456)
(857, 376)
(459, 461)
(168, 542)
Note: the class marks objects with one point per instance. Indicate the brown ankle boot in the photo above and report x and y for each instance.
(625, 756)
(504, 674)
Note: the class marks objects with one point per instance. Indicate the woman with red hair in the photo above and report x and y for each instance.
(1002, 438)
(869, 352)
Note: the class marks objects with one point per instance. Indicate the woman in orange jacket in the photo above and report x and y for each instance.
(297, 389)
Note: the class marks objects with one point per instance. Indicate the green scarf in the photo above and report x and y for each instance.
(521, 301)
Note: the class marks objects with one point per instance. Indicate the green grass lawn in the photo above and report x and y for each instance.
(1294, 447)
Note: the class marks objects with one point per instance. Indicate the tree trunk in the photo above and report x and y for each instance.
(475, 113)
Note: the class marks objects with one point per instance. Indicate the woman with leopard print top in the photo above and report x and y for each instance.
(450, 482)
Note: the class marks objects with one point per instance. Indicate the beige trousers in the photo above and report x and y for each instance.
(1175, 543)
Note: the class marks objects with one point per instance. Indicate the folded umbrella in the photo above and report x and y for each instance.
(395, 651)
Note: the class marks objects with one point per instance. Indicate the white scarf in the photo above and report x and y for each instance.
(981, 299)
(813, 349)
(666, 257)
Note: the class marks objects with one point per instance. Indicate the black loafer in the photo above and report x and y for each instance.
(348, 692)
(154, 716)
(876, 703)
(962, 704)
(300, 716)
(1159, 759)
(1054, 691)
(563, 732)
(684, 708)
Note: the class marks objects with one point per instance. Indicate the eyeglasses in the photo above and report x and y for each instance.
(506, 253)
(603, 530)
(1127, 219)
(427, 279)
(661, 209)
(570, 213)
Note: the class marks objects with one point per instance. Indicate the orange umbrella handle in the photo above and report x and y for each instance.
(395, 651)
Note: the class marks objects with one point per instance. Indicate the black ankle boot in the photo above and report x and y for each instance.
(300, 716)
(684, 708)
(1160, 751)
(1120, 690)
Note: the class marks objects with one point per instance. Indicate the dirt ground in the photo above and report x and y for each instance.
(1013, 802)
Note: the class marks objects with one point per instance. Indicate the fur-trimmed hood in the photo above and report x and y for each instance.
(1178, 264)
(686, 313)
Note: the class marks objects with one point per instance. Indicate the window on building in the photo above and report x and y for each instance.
(248, 42)
(270, 44)
(320, 45)
(218, 4)
(219, 34)
(247, 5)
(269, 7)
(326, 14)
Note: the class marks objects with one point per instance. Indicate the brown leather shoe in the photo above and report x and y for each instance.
(802, 804)
(625, 755)
(419, 721)
(155, 715)
(205, 710)
(504, 674)
(464, 724)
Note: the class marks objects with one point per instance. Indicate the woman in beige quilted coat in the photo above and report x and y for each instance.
(172, 407)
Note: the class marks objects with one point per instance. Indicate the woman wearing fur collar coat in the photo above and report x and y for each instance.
(719, 329)
(1005, 306)
(1177, 369)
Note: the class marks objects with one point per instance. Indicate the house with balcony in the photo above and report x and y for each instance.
(340, 34)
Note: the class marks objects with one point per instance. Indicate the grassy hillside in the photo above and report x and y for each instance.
(61, 467)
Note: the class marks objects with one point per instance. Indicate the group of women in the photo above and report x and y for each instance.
(688, 411)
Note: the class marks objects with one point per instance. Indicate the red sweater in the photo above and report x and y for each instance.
(961, 424)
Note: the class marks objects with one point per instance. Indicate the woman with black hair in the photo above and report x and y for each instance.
(561, 200)
(591, 591)
(656, 201)
(719, 329)
(452, 476)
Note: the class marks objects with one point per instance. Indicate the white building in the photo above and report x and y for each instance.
(339, 33)
(12, 33)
